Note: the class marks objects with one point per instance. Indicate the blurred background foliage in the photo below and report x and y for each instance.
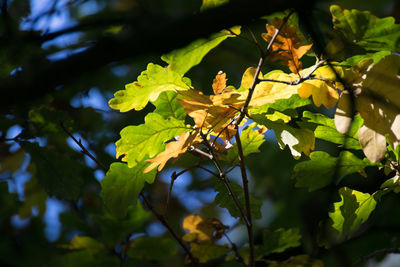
(50, 192)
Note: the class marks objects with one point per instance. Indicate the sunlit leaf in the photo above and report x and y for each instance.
(366, 30)
(219, 83)
(212, 3)
(149, 85)
(173, 150)
(122, 185)
(353, 210)
(326, 130)
(167, 105)
(144, 141)
(298, 140)
(287, 46)
(182, 60)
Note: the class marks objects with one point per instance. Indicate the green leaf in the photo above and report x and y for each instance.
(366, 30)
(251, 140)
(286, 106)
(35, 196)
(167, 106)
(144, 141)
(58, 174)
(212, 3)
(122, 185)
(150, 84)
(85, 243)
(224, 200)
(323, 168)
(206, 251)
(152, 248)
(354, 60)
(353, 210)
(298, 140)
(278, 241)
(182, 60)
(326, 130)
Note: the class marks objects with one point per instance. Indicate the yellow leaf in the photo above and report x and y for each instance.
(204, 228)
(323, 93)
(248, 76)
(206, 111)
(172, 150)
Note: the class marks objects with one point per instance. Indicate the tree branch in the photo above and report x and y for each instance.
(160, 217)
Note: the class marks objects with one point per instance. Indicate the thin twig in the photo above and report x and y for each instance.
(375, 254)
(164, 222)
(245, 182)
(309, 76)
(160, 217)
(222, 176)
(83, 149)
(234, 248)
(243, 113)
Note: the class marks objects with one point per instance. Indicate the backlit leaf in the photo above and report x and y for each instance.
(122, 185)
(287, 45)
(219, 83)
(353, 210)
(366, 30)
(326, 130)
(150, 84)
(182, 60)
(298, 140)
(173, 150)
(212, 3)
(202, 229)
(167, 105)
(297, 261)
(278, 241)
(144, 141)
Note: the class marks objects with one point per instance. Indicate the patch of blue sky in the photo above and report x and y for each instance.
(94, 98)
(53, 225)
(120, 70)
(111, 149)
(99, 175)
(155, 229)
(13, 132)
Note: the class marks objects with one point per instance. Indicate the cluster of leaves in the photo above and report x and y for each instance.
(356, 78)
(367, 118)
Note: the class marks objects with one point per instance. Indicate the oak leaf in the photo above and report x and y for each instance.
(202, 229)
(173, 150)
(219, 83)
(287, 46)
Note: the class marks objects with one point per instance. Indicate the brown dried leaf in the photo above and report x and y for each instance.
(287, 45)
(219, 83)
